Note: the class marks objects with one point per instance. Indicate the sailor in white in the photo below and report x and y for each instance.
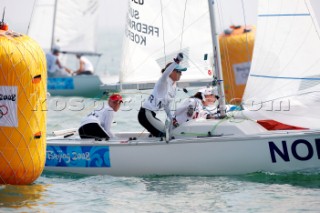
(202, 105)
(85, 66)
(162, 95)
(98, 123)
(191, 108)
(210, 102)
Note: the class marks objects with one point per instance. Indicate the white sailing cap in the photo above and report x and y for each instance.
(208, 91)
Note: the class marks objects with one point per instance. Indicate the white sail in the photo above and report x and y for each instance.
(284, 81)
(70, 24)
(157, 30)
(40, 27)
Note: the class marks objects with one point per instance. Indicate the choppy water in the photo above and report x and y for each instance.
(249, 193)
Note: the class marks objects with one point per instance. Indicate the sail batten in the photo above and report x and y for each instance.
(285, 77)
(285, 71)
(279, 15)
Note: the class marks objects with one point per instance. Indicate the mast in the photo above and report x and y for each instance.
(217, 57)
(53, 23)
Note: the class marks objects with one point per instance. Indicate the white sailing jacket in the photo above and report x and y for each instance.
(191, 108)
(163, 92)
(104, 117)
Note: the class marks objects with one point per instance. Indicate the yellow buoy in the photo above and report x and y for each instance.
(22, 109)
(236, 47)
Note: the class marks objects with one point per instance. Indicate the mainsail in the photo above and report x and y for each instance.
(284, 81)
(157, 30)
(70, 24)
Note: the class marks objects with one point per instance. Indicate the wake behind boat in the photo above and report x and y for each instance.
(277, 131)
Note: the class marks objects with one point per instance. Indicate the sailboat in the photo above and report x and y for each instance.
(277, 131)
(70, 25)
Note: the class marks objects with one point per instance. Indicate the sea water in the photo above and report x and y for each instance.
(259, 192)
(53, 192)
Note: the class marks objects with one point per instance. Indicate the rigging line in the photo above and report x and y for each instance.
(3, 14)
(298, 47)
(164, 43)
(32, 14)
(284, 85)
(306, 34)
(245, 24)
(214, 127)
(279, 98)
(228, 65)
(285, 77)
(190, 25)
(197, 67)
(184, 16)
(152, 22)
(228, 71)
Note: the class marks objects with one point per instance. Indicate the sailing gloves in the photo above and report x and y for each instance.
(179, 58)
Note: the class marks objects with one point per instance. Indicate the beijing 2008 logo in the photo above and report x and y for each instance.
(3, 110)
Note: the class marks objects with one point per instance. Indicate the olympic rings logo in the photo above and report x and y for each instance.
(3, 110)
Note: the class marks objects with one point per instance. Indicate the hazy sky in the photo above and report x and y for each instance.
(113, 13)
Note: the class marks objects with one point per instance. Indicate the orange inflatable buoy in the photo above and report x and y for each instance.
(22, 109)
(236, 48)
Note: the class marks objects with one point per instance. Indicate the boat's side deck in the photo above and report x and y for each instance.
(135, 138)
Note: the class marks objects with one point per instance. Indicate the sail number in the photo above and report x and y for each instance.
(295, 149)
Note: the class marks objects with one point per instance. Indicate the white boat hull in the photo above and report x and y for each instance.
(283, 151)
(81, 85)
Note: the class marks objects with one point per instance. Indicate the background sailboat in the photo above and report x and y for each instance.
(71, 25)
